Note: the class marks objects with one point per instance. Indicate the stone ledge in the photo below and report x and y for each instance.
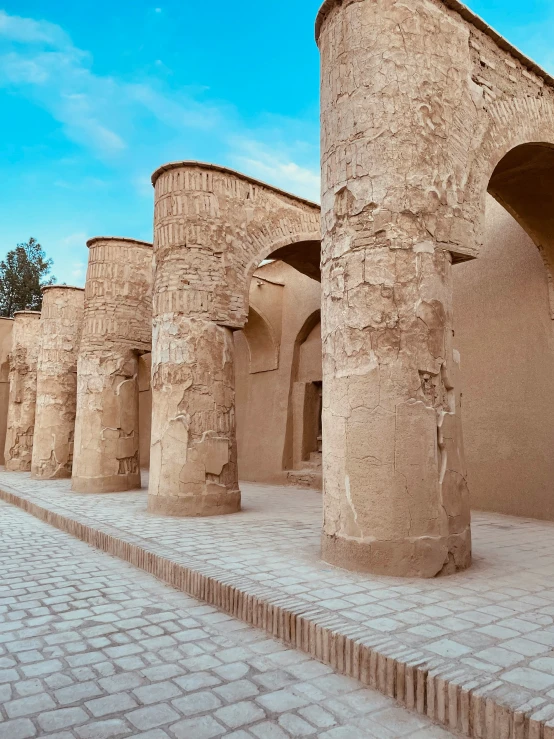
(476, 705)
(468, 15)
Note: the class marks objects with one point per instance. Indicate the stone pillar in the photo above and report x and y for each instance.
(23, 391)
(193, 455)
(117, 329)
(60, 333)
(393, 163)
(6, 328)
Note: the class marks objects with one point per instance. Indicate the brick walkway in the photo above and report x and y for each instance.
(93, 648)
(472, 650)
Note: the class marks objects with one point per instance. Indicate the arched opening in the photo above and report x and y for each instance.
(504, 310)
(304, 442)
(274, 346)
(523, 183)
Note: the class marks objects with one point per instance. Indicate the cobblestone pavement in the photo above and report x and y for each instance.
(92, 648)
(494, 623)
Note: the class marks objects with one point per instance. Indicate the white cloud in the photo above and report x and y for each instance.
(76, 240)
(284, 174)
(27, 30)
(290, 165)
(38, 60)
(78, 270)
(130, 123)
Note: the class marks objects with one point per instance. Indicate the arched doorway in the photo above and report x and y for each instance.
(268, 354)
(504, 309)
(305, 408)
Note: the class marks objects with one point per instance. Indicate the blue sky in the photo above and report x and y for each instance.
(95, 95)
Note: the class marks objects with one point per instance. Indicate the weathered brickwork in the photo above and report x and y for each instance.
(116, 331)
(23, 391)
(212, 227)
(60, 334)
(418, 107)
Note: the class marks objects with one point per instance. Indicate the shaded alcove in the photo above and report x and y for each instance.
(503, 309)
(267, 355)
(303, 442)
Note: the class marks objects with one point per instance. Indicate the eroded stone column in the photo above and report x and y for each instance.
(23, 391)
(193, 455)
(60, 334)
(393, 164)
(116, 331)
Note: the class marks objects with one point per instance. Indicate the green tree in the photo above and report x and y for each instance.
(23, 273)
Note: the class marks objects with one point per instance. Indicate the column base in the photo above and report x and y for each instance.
(189, 506)
(63, 474)
(423, 557)
(17, 465)
(109, 484)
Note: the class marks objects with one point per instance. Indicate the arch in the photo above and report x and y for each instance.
(289, 454)
(505, 126)
(263, 348)
(301, 251)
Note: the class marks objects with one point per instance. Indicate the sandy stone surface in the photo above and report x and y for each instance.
(91, 648)
(23, 391)
(419, 107)
(116, 331)
(60, 334)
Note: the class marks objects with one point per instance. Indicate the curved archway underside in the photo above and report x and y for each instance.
(523, 183)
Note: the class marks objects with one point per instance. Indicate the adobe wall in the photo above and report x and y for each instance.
(6, 326)
(286, 299)
(505, 336)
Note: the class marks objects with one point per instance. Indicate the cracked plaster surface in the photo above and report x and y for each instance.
(60, 333)
(418, 107)
(116, 331)
(23, 391)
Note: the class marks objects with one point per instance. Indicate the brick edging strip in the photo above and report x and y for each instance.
(432, 687)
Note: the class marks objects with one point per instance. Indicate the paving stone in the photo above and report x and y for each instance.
(268, 730)
(295, 725)
(199, 702)
(116, 703)
(156, 692)
(143, 693)
(30, 705)
(62, 718)
(114, 727)
(17, 729)
(77, 692)
(282, 700)
(204, 727)
(318, 716)
(237, 690)
(240, 714)
(152, 716)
